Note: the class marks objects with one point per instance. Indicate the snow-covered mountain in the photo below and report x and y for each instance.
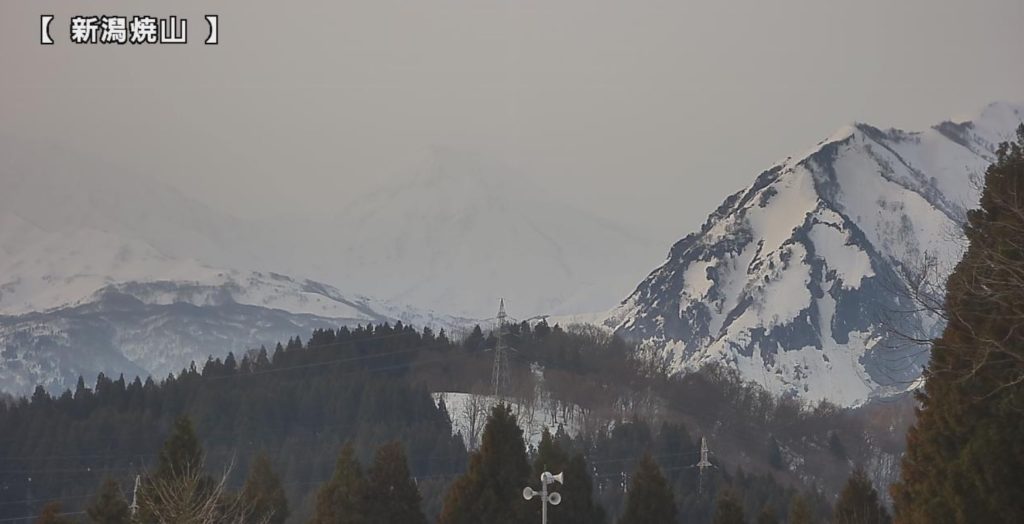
(796, 280)
(107, 270)
(117, 274)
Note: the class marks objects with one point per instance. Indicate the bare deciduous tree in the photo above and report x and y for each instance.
(191, 497)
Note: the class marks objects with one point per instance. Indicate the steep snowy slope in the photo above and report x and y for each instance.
(795, 281)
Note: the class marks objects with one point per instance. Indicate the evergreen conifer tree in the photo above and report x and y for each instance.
(649, 500)
(858, 502)
(181, 453)
(579, 494)
(490, 491)
(263, 494)
(966, 450)
(179, 464)
(728, 509)
(550, 456)
(391, 493)
(109, 506)
(475, 341)
(342, 499)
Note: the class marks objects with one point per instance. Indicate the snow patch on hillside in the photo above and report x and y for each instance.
(469, 414)
(832, 245)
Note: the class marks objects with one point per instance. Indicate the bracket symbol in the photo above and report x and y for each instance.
(214, 38)
(44, 29)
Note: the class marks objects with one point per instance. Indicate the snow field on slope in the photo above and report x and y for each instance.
(469, 413)
(897, 221)
(831, 244)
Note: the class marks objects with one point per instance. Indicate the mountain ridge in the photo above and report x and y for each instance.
(782, 281)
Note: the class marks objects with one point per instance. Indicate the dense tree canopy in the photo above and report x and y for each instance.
(109, 506)
(966, 450)
(391, 493)
(301, 400)
(649, 500)
(578, 505)
(342, 500)
(299, 404)
(800, 511)
(728, 509)
(264, 497)
(489, 492)
(859, 503)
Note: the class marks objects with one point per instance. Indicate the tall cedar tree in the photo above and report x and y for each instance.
(181, 452)
(728, 509)
(391, 493)
(858, 502)
(578, 506)
(109, 506)
(649, 499)
(343, 499)
(800, 511)
(180, 456)
(490, 492)
(263, 494)
(966, 450)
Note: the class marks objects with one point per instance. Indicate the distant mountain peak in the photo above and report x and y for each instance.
(794, 281)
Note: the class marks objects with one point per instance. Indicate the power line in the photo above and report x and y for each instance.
(449, 461)
(33, 517)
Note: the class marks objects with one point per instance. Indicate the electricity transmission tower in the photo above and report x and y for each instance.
(703, 464)
(499, 374)
(134, 507)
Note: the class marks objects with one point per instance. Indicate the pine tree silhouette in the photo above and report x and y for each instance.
(109, 506)
(181, 453)
(342, 500)
(858, 502)
(263, 494)
(490, 491)
(391, 493)
(649, 500)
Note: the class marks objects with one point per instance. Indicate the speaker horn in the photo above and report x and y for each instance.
(528, 493)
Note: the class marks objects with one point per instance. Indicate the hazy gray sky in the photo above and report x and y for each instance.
(644, 111)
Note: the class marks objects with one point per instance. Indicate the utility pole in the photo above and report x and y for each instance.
(702, 464)
(499, 374)
(546, 498)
